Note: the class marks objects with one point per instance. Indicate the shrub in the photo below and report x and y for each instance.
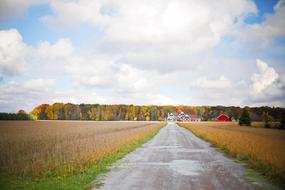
(266, 119)
(245, 118)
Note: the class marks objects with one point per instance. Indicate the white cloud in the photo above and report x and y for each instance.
(264, 78)
(259, 36)
(134, 80)
(73, 13)
(267, 86)
(166, 35)
(187, 25)
(10, 9)
(167, 26)
(147, 52)
(92, 72)
(92, 97)
(275, 24)
(122, 82)
(48, 59)
(89, 73)
(38, 84)
(60, 49)
(219, 83)
(12, 52)
(219, 91)
(24, 94)
(76, 97)
(104, 72)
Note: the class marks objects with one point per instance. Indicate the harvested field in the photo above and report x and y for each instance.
(61, 148)
(263, 148)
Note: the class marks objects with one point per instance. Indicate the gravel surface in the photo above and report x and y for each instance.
(175, 159)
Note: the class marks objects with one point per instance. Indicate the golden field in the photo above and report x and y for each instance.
(263, 148)
(60, 148)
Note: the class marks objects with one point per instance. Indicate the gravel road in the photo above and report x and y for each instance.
(175, 159)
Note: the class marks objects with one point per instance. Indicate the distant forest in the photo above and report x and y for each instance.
(60, 111)
(21, 115)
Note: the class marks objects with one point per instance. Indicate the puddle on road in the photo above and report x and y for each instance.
(191, 150)
(177, 148)
(186, 167)
(166, 147)
(183, 167)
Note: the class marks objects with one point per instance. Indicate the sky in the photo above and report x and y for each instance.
(162, 52)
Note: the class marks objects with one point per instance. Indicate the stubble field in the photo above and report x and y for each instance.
(263, 149)
(39, 149)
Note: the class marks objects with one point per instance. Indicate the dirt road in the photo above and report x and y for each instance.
(175, 159)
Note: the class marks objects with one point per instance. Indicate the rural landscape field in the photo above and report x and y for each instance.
(142, 94)
(56, 149)
(263, 149)
(73, 154)
(93, 146)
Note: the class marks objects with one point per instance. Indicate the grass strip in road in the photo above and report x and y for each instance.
(265, 169)
(79, 181)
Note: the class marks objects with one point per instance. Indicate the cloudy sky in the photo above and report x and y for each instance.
(180, 52)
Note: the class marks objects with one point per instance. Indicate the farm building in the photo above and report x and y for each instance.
(195, 118)
(171, 117)
(223, 117)
(182, 117)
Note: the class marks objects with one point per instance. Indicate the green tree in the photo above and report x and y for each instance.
(245, 118)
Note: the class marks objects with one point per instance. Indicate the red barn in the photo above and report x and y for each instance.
(223, 117)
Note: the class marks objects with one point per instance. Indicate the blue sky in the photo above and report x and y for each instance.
(264, 7)
(33, 30)
(159, 52)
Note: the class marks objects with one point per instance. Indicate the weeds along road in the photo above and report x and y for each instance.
(175, 159)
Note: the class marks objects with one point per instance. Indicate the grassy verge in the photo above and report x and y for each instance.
(258, 169)
(74, 182)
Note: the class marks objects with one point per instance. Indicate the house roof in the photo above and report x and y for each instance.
(194, 116)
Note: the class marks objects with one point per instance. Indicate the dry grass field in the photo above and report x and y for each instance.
(61, 148)
(263, 148)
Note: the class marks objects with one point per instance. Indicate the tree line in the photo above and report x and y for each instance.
(97, 112)
(21, 115)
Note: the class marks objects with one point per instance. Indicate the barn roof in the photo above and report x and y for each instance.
(221, 115)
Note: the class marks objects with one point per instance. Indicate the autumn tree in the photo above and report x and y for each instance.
(58, 111)
(152, 112)
(40, 111)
